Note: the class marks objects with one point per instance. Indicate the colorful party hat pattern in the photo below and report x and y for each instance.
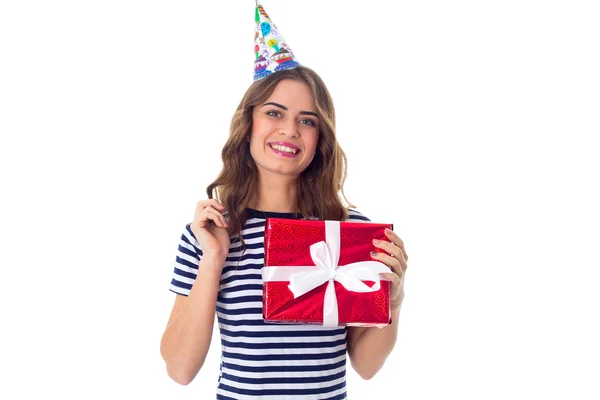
(271, 51)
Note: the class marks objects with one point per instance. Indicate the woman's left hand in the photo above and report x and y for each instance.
(397, 261)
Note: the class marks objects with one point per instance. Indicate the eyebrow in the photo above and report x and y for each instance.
(285, 108)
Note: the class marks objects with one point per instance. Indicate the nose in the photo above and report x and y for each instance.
(289, 129)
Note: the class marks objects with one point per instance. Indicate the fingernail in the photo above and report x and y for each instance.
(373, 253)
(387, 230)
(375, 241)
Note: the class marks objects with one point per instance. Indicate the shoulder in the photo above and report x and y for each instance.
(354, 215)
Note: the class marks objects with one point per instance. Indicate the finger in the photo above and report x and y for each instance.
(394, 278)
(215, 216)
(396, 240)
(388, 260)
(208, 214)
(394, 250)
(389, 247)
(202, 204)
(210, 202)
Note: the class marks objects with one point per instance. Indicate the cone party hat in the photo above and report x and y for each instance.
(271, 51)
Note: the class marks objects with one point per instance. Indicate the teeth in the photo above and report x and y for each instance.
(283, 148)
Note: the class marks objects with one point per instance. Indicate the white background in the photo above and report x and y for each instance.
(470, 125)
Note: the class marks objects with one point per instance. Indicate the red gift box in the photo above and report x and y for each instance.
(322, 272)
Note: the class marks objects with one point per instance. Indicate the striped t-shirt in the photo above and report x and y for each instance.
(259, 359)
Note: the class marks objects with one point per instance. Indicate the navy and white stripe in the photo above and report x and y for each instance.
(258, 359)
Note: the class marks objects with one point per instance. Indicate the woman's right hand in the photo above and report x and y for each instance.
(212, 237)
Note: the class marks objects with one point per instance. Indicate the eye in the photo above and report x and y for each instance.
(308, 122)
(273, 113)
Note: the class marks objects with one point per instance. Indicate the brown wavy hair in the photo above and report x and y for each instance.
(320, 185)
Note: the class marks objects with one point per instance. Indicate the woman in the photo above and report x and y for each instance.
(281, 160)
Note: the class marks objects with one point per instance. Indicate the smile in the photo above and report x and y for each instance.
(283, 150)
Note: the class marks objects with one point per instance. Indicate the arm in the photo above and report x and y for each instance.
(369, 347)
(186, 339)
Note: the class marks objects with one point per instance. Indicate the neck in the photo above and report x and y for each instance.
(276, 195)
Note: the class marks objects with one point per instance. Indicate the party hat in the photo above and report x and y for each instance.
(271, 51)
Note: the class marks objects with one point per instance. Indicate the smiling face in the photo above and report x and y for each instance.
(285, 130)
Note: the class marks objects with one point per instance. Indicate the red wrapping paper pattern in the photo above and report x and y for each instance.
(287, 244)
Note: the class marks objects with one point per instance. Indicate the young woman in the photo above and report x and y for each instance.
(281, 160)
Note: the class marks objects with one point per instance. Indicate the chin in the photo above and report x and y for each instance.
(282, 170)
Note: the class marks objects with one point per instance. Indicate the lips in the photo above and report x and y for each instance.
(282, 149)
(286, 144)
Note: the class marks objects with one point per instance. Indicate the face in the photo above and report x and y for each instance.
(285, 130)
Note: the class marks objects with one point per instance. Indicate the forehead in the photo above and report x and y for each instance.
(293, 94)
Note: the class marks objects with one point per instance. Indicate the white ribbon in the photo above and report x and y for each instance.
(326, 256)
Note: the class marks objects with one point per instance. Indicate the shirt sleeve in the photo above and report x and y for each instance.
(355, 216)
(187, 259)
